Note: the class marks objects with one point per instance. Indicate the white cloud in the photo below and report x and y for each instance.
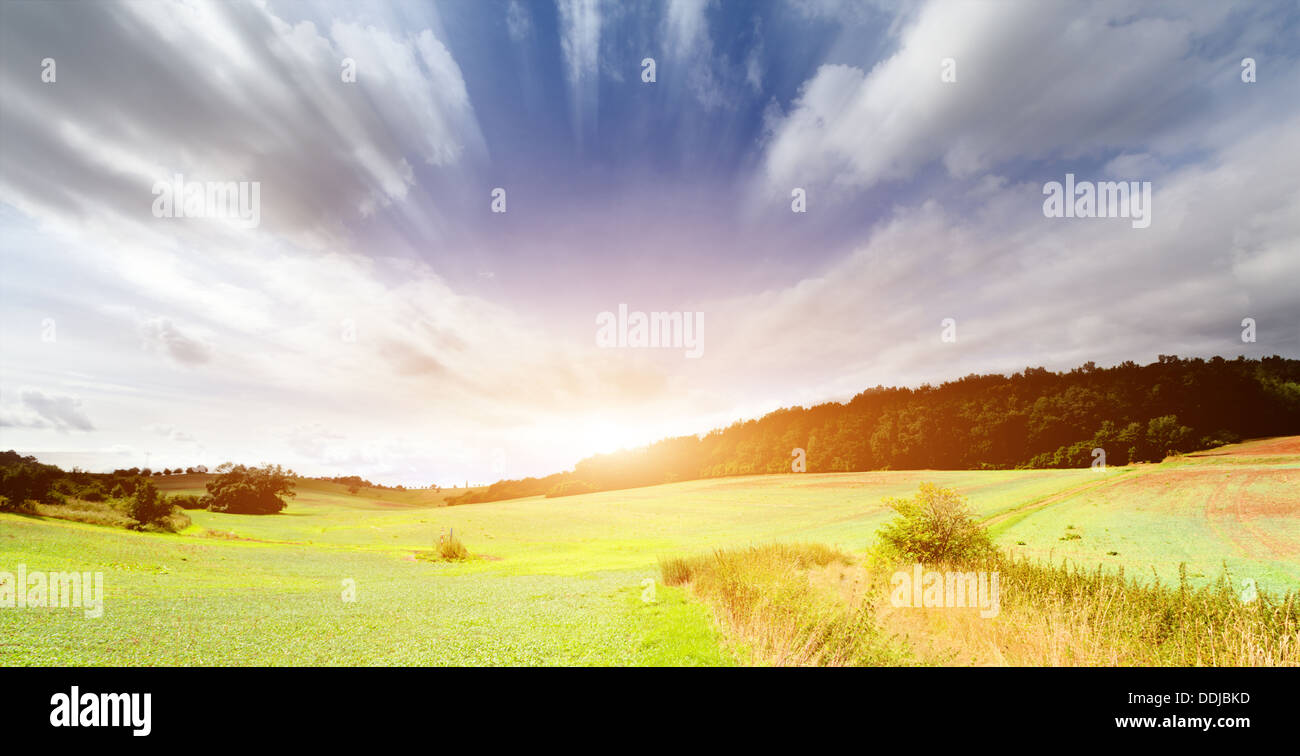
(687, 31)
(519, 25)
(41, 409)
(1033, 80)
(580, 22)
(1028, 290)
(243, 95)
(162, 334)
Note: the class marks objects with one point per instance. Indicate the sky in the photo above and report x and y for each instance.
(382, 318)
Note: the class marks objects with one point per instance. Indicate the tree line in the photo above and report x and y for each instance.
(1033, 419)
(237, 489)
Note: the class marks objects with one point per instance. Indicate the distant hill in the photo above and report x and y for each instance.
(1034, 418)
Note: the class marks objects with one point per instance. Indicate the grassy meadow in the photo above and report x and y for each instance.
(560, 581)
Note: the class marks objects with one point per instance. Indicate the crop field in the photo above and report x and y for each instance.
(1238, 506)
(560, 581)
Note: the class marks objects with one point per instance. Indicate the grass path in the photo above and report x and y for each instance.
(1006, 519)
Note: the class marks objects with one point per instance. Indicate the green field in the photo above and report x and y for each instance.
(558, 581)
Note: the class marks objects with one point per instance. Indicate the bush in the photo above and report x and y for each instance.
(935, 526)
(451, 548)
(93, 492)
(147, 507)
(188, 501)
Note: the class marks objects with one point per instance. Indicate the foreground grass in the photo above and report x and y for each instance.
(806, 605)
(183, 600)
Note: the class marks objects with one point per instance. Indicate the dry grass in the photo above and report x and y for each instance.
(109, 514)
(763, 598)
(1057, 616)
(797, 605)
(450, 549)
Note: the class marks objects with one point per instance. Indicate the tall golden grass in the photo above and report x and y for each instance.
(775, 616)
(1071, 616)
(808, 604)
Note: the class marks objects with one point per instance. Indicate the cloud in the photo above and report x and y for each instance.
(754, 65)
(711, 79)
(161, 334)
(364, 304)
(171, 433)
(1034, 80)
(518, 23)
(224, 92)
(844, 11)
(40, 409)
(687, 31)
(313, 440)
(1028, 290)
(580, 22)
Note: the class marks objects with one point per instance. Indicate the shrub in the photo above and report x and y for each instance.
(93, 492)
(174, 522)
(451, 548)
(188, 501)
(935, 526)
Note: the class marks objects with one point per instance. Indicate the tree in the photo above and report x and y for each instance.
(1166, 436)
(249, 490)
(23, 478)
(147, 507)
